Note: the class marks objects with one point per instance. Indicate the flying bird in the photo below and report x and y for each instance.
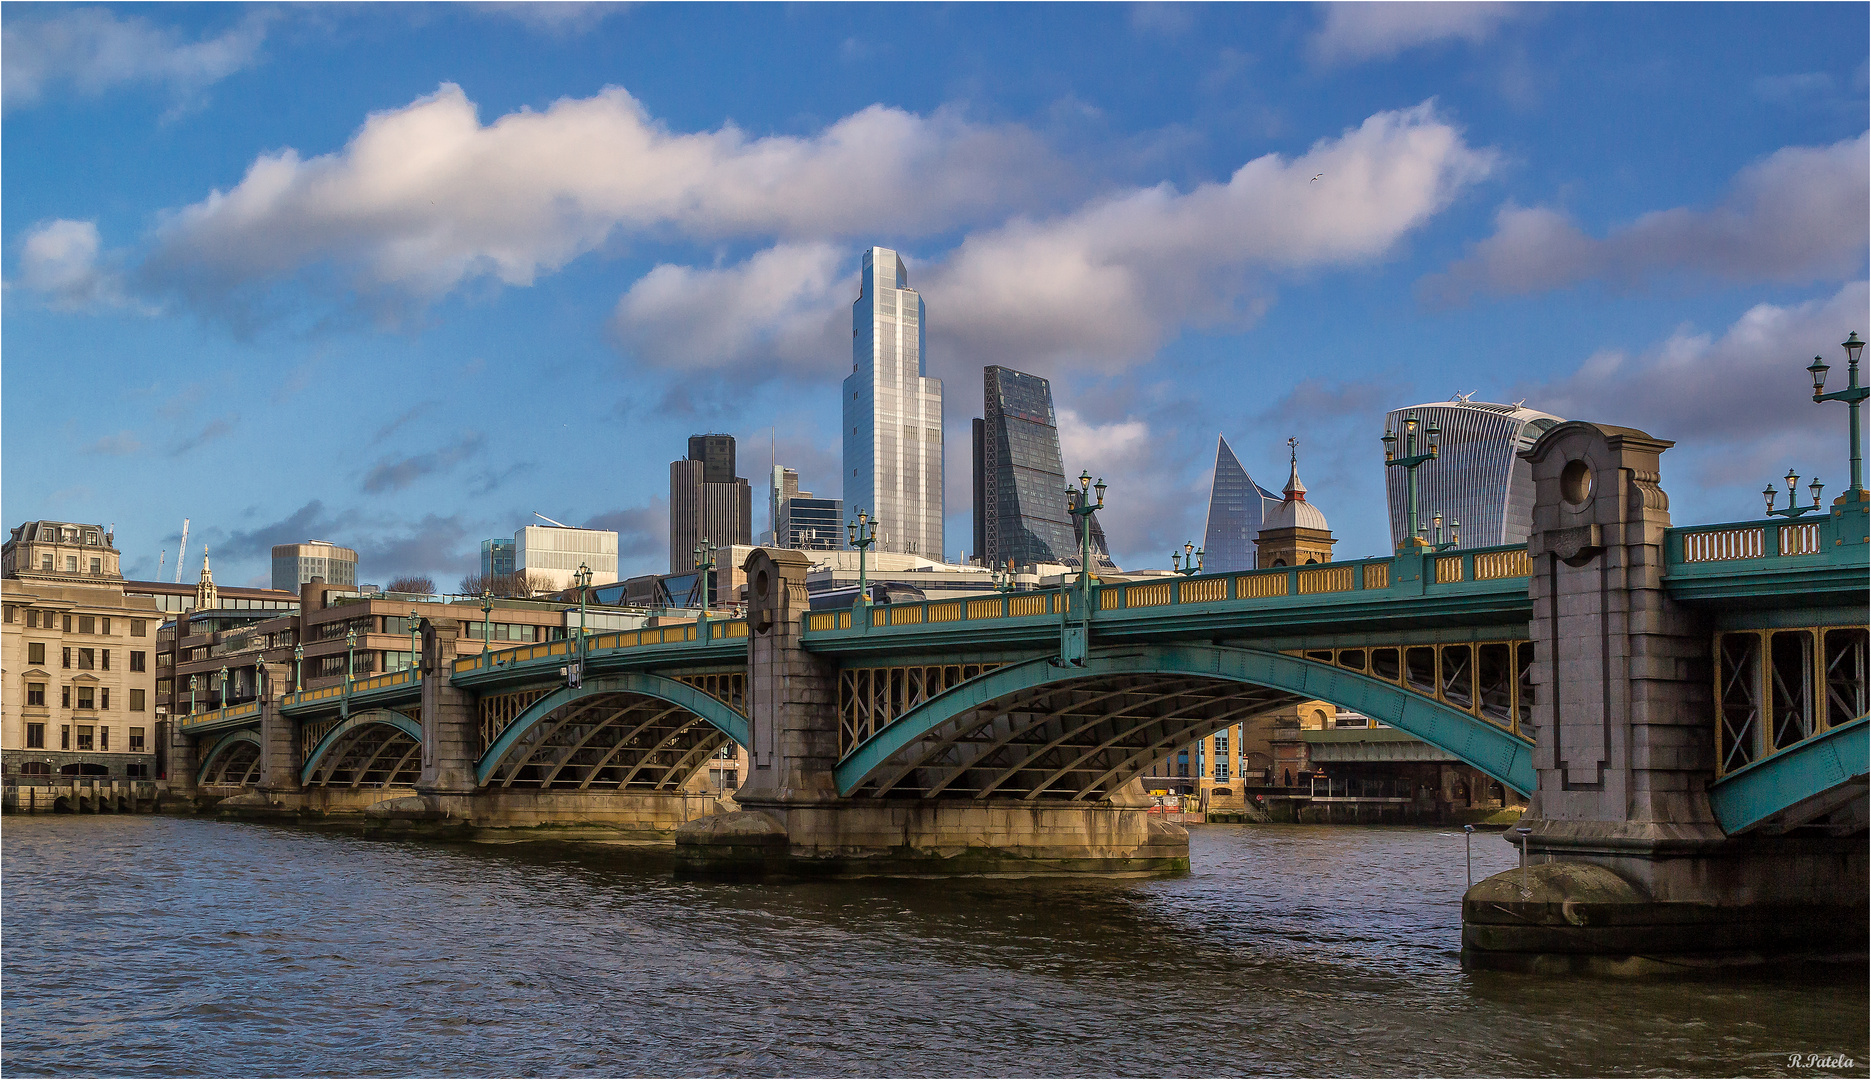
(1316, 177)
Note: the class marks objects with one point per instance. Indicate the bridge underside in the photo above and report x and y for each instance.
(373, 755)
(618, 741)
(233, 761)
(1077, 741)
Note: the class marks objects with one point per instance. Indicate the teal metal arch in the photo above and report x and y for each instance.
(710, 708)
(357, 720)
(1495, 751)
(223, 745)
(1801, 774)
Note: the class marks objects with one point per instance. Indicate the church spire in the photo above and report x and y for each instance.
(1295, 491)
(206, 596)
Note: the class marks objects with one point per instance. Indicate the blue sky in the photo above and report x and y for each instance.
(397, 276)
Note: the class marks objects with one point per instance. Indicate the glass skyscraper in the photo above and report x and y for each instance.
(1237, 510)
(1019, 478)
(892, 414)
(1477, 478)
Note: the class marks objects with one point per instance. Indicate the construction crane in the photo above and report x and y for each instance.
(181, 553)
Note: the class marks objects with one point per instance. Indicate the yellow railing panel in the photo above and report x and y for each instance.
(1448, 569)
(1325, 579)
(1031, 604)
(1721, 545)
(906, 616)
(947, 611)
(1800, 539)
(1494, 565)
(822, 620)
(1259, 586)
(984, 609)
(1377, 575)
(1205, 590)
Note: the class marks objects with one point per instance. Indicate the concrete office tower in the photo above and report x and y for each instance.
(706, 500)
(1019, 478)
(1478, 478)
(1237, 510)
(783, 485)
(554, 553)
(296, 564)
(802, 522)
(892, 414)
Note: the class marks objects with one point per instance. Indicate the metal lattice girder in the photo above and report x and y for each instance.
(338, 746)
(1811, 779)
(627, 730)
(1038, 729)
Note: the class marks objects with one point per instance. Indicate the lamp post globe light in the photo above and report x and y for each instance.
(582, 579)
(350, 645)
(1793, 509)
(862, 534)
(1409, 461)
(415, 644)
(1079, 504)
(298, 669)
(1190, 552)
(224, 686)
(704, 554)
(191, 695)
(1852, 395)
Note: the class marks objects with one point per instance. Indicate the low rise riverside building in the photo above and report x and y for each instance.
(76, 652)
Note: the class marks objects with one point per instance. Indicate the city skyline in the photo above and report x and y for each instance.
(893, 446)
(225, 302)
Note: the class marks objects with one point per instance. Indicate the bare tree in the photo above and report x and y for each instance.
(411, 583)
(518, 585)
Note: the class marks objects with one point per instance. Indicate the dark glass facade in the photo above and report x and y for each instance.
(1019, 477)
(809, 524)
(1237, 509)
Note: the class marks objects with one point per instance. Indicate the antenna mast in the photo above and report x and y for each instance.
(549, 521)
(181, 553)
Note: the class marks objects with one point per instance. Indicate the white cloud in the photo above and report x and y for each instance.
(60, 260)
(1354, 32)
(1739, 404)
(778, 311)
(1798, 215)
(426, 197)
(93, 50)
(1102, 286)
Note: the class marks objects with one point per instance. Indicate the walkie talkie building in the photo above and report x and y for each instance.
(1477, 478)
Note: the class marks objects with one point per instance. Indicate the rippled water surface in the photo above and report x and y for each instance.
(153, 945)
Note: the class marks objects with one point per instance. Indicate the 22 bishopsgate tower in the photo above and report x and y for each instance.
(892, 413)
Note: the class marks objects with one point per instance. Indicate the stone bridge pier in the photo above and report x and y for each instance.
(793, 819)
(1625, 856)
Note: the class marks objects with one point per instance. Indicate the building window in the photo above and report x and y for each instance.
(64, 697)
(136, 740)
(7, 610)
(35, 736)
(64, 736)
(103, 698)
(85, 734)
(65, 657)
(32, 617)
(103, 625)
(105, 657)
(137, 660)
(35, 694)
(45, 562)
(87, 659)
(87, 624)
(87, 697)
(71, 564)
(35, 652)
(139, 627)
(136, 770)
(97, 566)
(66, 620)
(103, 738)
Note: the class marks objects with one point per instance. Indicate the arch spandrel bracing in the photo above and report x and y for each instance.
(620, 732)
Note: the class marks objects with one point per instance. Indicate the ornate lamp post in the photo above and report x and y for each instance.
(1411, 460)
(191, 695)
(415, 644)
(1193, 554)
(224, 686)
(1080, 506)
(298, 669)
(1852, 395)
(863, 534)
(350, 644)
(487, 615)
(704, 553)
(582, 579)
(1792, 510)
(1439, 544)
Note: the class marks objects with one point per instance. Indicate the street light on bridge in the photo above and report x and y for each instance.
(862, 534)
(1411, 460)
(415, 643)
(1194, 554)
(1852, 395)
(1080, 506)
(487, 617)
(582, 579)
(1792, 508)
(224, 686)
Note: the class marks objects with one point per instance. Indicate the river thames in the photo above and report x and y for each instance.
(172, 946)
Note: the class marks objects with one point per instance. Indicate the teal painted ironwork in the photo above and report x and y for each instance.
(357, 720)
(1495, 751)
(223, 745)
(1749, 797)
(709, 708)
